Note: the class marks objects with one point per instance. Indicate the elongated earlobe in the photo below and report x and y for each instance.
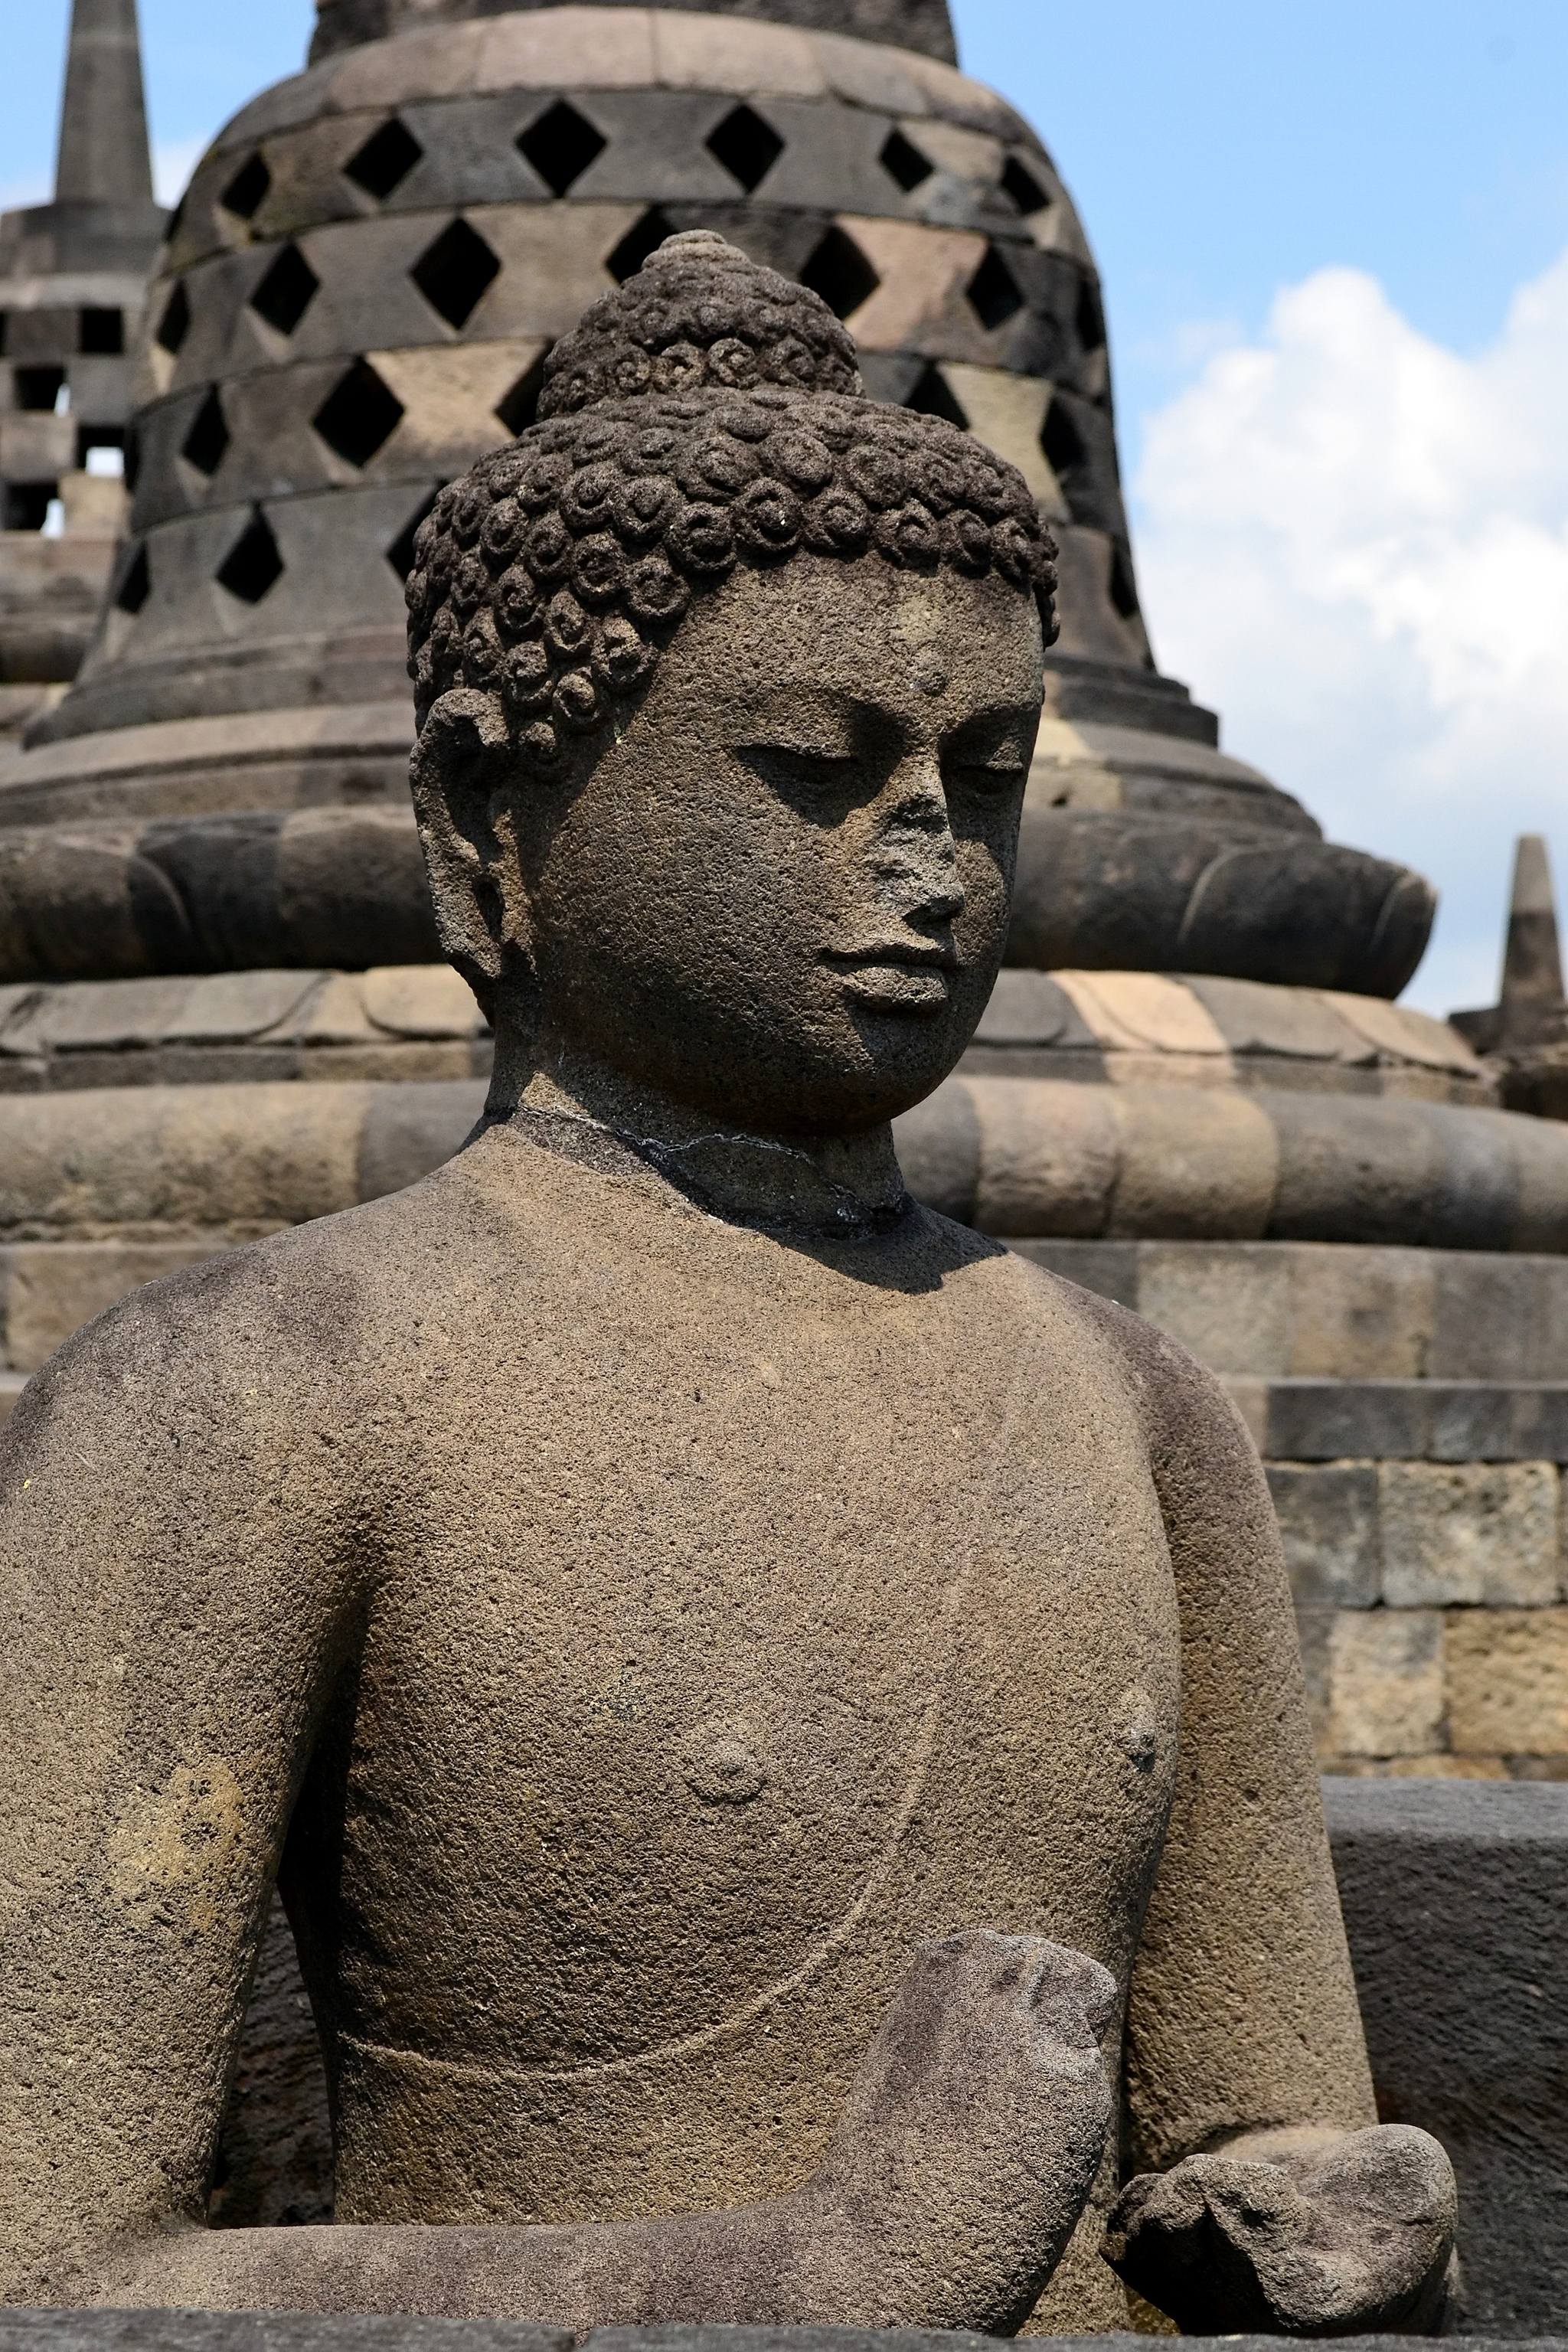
(463, 803)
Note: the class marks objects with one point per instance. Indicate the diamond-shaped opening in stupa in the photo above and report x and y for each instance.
(932, 395)
(253, 564)
(561, 145)
(454, 273)
(1019, 183)
(1066, 454)
(175, 323)
(246, 190)
(644, 236)
(359, 416)
(902, 161)
(747, 147)
(385, 160)
(993, 291)
(519, 407)
(286, 292)
(400, 554)
(840, 273)
(208, 438)
(1089, 318)
(135, 583)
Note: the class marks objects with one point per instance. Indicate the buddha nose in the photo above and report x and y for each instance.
(913, 854)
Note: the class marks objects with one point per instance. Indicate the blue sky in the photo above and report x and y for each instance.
(1328, 240)
(1223, 148)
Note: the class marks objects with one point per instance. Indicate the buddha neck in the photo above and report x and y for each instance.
(812, 1187)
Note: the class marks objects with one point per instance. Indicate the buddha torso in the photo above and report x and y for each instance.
(736, 1615)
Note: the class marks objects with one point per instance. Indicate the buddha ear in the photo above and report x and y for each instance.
(463, 776)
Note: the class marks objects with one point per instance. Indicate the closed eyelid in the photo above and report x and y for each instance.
(830, 758)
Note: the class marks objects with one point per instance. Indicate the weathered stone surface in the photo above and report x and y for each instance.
(1337, 1310)
(1508, 1681)
(1482, 1532)
(1456, 1902)
(1413, 1421)
(149, 1163)
(1180, 1162)
(1180, 894)
(479, 1552)
(1386, 1690)
(192, 2331)
(253, 2331)
(1329, 1523)
(48, 1290)
(837, 102)
(73, 277)
(415, 1022)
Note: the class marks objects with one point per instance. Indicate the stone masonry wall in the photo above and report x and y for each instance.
(1430, 1599)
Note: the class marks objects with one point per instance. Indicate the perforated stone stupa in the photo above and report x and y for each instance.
(73, 278)
(358, 294)
(209, 874)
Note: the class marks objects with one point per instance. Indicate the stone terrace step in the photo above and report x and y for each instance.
(1344, 1310)
(1406, 1420)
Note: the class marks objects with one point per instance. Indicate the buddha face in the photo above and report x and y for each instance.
(780, 894)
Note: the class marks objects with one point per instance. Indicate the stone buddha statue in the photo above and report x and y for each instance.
(777, 1723)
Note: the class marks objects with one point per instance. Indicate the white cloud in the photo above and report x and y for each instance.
(1354, 544)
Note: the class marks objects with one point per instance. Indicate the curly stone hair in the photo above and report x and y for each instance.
(709, 412)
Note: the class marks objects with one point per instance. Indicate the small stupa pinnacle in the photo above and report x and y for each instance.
(103, 157)
(73, 279)
(1532, 963)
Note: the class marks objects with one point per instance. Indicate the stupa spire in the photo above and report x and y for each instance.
(103, 154)
(1532, 964)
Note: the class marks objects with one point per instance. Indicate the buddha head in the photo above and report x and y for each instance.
(726, 680)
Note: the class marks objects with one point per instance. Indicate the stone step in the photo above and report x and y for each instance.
(1138, 1028)
(1028, 1158)
(1406, 1420)
(392, 1022)
(1350, 1311)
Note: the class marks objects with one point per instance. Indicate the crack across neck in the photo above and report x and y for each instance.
(820, 1188)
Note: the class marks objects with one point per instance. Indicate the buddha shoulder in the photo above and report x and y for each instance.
(256, 1342)
(1178, 1401)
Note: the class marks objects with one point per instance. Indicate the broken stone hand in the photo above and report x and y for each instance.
(964, 2155)
(972, 2130)
(1295, 2232)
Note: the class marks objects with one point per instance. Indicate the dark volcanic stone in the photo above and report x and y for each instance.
(1111, 890)
(1456, 1902)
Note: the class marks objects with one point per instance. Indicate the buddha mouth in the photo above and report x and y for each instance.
(897, 975)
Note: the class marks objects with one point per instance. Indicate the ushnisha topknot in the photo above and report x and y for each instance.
(707, 414)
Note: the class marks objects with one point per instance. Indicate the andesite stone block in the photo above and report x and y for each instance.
(1484, 1532)
(1328, 1515)
(1507, 1671)
(1387, 1682)
(1455, 1905)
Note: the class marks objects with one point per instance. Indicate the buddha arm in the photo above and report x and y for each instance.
(962, 2160)
(174, 1604)
(1244, 2036)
